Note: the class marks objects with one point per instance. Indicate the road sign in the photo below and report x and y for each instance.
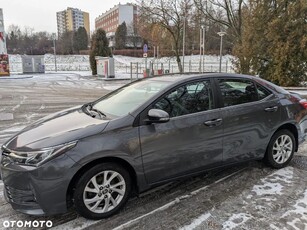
(145, 55)
(145, 48)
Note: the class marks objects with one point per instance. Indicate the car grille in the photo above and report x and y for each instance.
(20, 196)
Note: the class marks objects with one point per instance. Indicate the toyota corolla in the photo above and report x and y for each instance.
(146, 133)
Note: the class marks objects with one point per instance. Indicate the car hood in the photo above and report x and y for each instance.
(62, 127)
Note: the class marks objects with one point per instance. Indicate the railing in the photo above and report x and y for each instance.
(138, 69)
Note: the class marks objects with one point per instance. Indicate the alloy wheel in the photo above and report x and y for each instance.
(104, 191)
(282, 149)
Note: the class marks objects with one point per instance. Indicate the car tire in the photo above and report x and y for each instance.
(280, 149)
(102, 191)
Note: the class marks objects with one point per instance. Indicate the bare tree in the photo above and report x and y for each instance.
(228, 13)
(170, 15)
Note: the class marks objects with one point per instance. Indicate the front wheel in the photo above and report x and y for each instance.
(280, 149)
(102, 191)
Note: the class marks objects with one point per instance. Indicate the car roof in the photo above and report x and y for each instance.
(184, 77)
(178, 78)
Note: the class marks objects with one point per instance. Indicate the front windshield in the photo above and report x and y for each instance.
(128, 98)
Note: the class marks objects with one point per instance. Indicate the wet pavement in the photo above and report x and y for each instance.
(247, 196)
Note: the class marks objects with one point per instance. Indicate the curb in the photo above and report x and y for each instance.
(11, 78)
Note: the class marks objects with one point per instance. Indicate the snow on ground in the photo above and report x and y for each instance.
(271, 185)
(80, 63)
(263, 201)
(196, 222)
(299, 212)
(236, 220)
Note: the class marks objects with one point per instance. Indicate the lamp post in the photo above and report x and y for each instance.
(202, 34)
(184, 32)
(54, 49)
(183, 41)
(221, 34)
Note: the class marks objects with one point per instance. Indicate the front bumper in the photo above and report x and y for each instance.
(38, 190)
(23, 201)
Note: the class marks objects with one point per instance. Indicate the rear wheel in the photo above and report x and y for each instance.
(281, 149)
(102, 191)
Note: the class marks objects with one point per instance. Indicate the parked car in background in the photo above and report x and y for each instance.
(147, 133)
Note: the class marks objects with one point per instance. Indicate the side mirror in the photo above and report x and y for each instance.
(157, 116)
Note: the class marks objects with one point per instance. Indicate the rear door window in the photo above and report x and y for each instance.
(262, 92)
(237, 91)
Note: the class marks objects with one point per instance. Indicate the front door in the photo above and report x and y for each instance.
(191, 141)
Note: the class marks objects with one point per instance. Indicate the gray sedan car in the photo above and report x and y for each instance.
(152, 131)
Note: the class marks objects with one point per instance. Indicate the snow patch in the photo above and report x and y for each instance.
(6, 116)
(21, 102)
(272, 184)
(299, 209)
(80, 63)
(236, 220)
(111, 88)
(272, 226)
(77, 224)
(196, 222)
(268, 189)
(12, 130)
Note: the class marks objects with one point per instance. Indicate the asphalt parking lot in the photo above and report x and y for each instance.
(248, 196)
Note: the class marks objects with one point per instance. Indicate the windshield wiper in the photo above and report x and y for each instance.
(89, 109)
(101, 114)
(85, 109)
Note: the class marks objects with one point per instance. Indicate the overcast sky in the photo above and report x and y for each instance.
(41, 14)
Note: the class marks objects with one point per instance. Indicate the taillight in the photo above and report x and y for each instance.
(303, 102)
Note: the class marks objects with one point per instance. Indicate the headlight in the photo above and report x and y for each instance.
(36, 158)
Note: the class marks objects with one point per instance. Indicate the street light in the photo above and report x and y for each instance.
(183, 40)
(54, 49)
(221, 34)
(202, 35)
(184, 32)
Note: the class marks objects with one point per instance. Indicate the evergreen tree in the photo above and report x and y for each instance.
(65, 43)
(121, 36)
(99, 47)
(274, 41)
(80, 40)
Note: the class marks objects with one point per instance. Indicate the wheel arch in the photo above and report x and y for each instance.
(83, 169)
(292, 128)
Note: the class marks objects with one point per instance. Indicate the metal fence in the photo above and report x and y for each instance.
(138, 69)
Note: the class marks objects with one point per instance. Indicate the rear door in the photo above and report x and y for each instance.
(250, 114)
(190, 141)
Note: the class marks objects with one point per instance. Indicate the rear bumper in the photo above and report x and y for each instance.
(302, 130)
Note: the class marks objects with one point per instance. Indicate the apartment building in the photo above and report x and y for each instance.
(111, 19)
(71, 19)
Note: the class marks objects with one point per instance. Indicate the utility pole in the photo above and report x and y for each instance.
(54, 52)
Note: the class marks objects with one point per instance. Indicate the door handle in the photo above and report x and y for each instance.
(214, 122)
(271, 109)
